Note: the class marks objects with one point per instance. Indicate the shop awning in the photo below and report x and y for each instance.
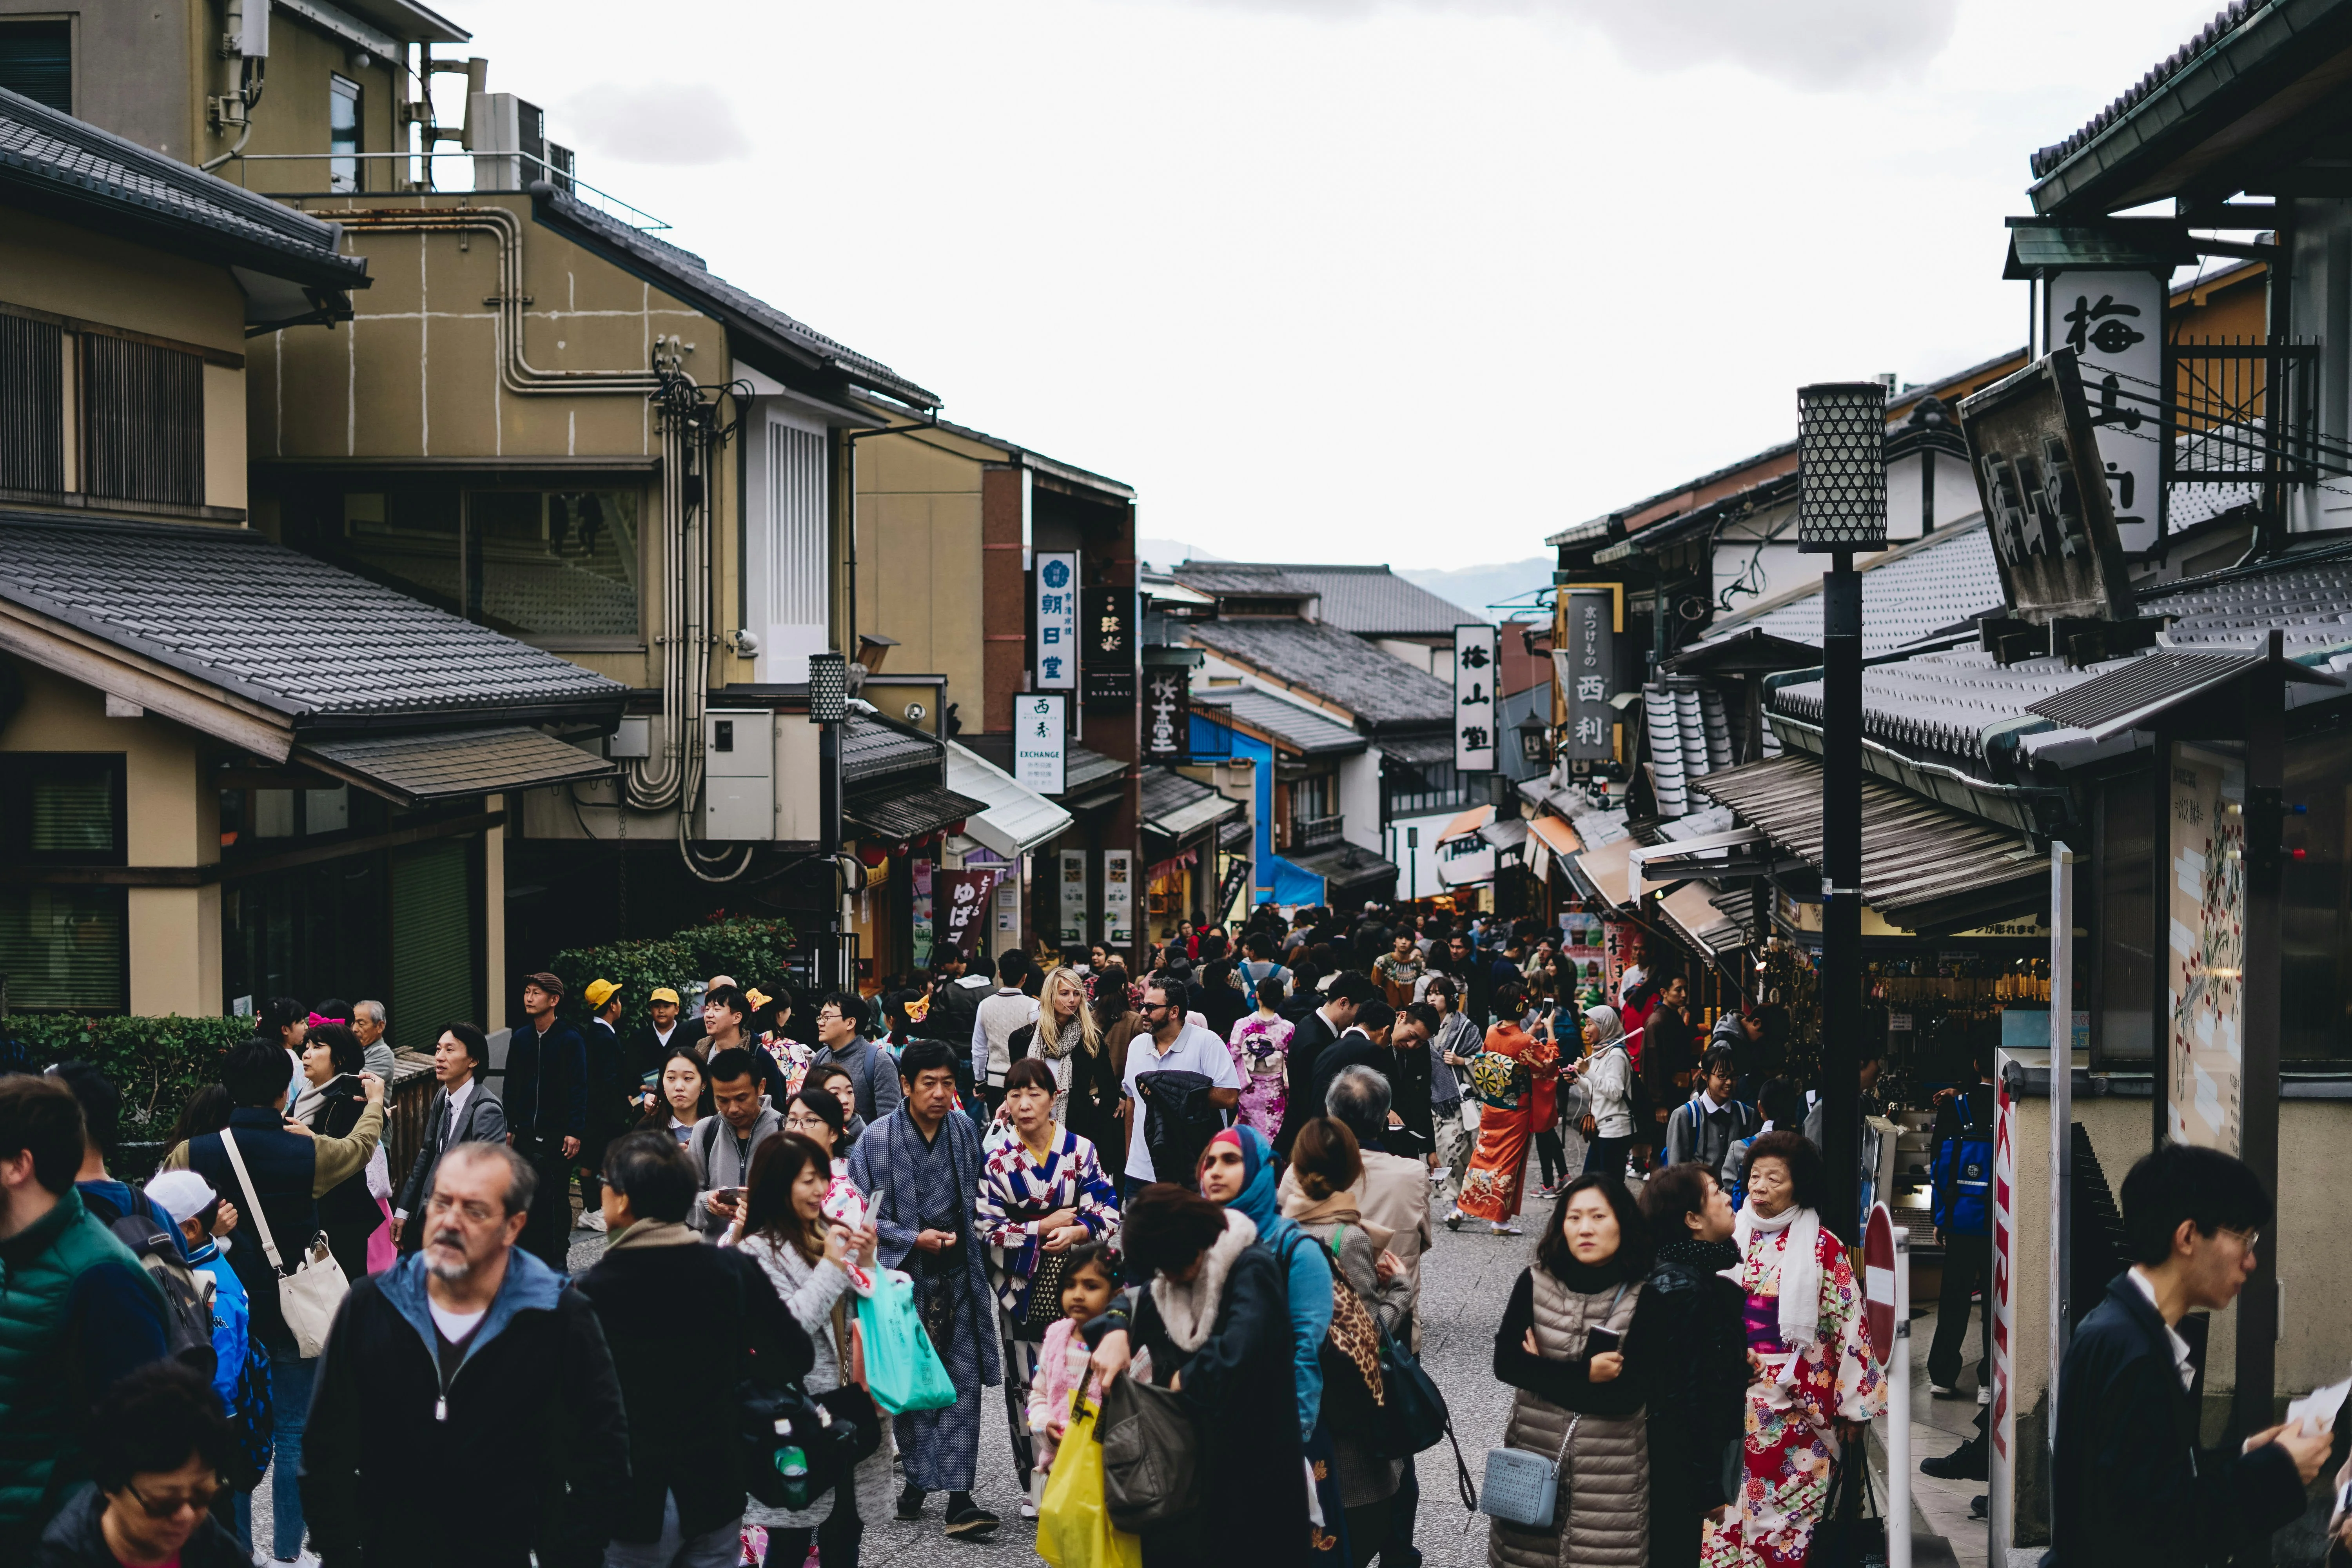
(1690, 909)
(1602, 869)
(1177, 807)
(1550, 838)
(1015, 819)
(1348, 870)
(449, 764)
(1924, 865)
(1468, 823)
(912, 815)
(1089, 778)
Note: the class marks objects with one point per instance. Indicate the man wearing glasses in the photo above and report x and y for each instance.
(1172, 1046)
(469, 1358)
(157, 1445)
(840, 1037)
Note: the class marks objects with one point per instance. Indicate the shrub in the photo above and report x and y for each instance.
(755, 952)
(157, 1063)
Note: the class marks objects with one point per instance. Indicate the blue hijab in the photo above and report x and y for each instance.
(1307, 1275)
(1257, 1198)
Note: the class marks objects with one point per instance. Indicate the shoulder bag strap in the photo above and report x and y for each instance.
(706, 1141)
(244, 1184)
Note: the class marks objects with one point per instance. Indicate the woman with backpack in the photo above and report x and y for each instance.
(1328, 1164)
(1207, 1304)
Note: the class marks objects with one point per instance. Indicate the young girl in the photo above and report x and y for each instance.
(1087, 1290)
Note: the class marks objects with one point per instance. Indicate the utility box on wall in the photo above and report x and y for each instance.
(738, 774)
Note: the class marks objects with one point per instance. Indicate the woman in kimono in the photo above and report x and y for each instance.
(1816, 1386)
(1513, 1079)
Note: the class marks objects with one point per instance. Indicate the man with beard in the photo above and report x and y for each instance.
(469, 1358)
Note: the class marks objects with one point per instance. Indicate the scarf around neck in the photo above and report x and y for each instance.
(1799, 1270)
(1188, 1307)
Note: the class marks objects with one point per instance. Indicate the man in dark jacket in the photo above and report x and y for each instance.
(609, 1085)
(547, 1114)
(685, 1499)
(2128, 1482)
(663, 1029)
(464, 1109)
(469, 1358)
(1316, 1033)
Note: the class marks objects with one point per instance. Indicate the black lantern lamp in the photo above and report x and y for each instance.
(1842, 466)
(1535, 741)
(828, 686)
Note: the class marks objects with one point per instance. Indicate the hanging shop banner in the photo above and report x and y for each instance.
(1056, 583)
(1073, 899)
(2205, 1047)
(919, 913)
(1041, 741)
(1107, 651)
(960, 900)
(1118, 898)
(1583, 666)
(2115, 324)
(1167, 712)
(1621, 942)
(1229, 890)
(2039, 477)
(1476, 649)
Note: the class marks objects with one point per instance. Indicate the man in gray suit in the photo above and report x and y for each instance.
(463, 1110)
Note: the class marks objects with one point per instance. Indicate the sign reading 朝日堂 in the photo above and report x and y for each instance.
(1476, 650)
(1040, 741)
(1056, 581)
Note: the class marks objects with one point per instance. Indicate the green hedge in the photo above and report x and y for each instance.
(755, 952)
(157, 1063)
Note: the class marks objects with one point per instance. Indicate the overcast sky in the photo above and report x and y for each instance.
(1405, 280)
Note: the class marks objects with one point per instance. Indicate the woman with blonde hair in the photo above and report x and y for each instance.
(1066, 1026)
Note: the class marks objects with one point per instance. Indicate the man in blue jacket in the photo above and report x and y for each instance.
(2129, 1483)
(547, 1114)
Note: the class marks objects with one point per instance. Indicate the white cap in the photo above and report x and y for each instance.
(180, 1194)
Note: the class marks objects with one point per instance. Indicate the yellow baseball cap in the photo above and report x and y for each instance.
(599, 992)
(663, 993)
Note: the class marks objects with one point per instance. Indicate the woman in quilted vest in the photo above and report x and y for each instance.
(1816, 1386)
(1580, 1407)
(1328, 1164)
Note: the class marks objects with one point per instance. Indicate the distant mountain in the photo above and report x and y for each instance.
(1475, 588)
(1165, 553)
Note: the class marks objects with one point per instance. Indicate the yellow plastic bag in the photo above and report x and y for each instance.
(1073, 1529)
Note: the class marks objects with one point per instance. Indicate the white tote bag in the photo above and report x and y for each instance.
(308, 1297)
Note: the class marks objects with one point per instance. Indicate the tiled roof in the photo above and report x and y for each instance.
(1177, 807)
(1372, 601)
(1914, 591)
(1689, 737)
(2310, 598)
(309, 640)
(1421, 751)
(2050, 157)
(1082, 767)
(447, 764)
(1944, 701)
(54, 158)
(1237, 577)
(691, 278)
(1308, 732)
(910, 816)
(1325, 662)
(1349, 868)
(874, 750)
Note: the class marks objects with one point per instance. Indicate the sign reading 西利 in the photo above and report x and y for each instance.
(1167, 712)
(2046, 495)
(1584, 664)
(1477, 654)
(2113, 322)
(1040, 741)
(1057, 585)
(1107, 643)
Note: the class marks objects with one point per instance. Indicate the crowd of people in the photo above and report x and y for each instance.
(1220, 1179)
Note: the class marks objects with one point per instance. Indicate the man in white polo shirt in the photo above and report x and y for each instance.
(1172, 1046)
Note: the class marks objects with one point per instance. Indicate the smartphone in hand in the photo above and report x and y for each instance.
(1600, 1341)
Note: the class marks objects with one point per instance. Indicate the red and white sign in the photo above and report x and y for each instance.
(2001, 1426)
(1878, 1282)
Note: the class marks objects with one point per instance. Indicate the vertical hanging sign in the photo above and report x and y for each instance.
(2113, 321)
(1118, 898)
(1107, 653)
(1166, 721)
(1040, 741)
(1475, 649)
(2204, 1048)
(1058, 620)
(1072, 882)
(1583, 668)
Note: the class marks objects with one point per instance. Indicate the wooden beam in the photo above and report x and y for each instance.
(234, 871)
(95, 663)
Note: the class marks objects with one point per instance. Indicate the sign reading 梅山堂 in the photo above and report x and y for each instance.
(1476, 650)
(1167, 723)
(1056, 586)
(2040, 476)
(2113, 322)
(1040, 741)
(1583, 665)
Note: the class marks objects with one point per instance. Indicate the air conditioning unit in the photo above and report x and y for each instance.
(508, 140)
(738, 775)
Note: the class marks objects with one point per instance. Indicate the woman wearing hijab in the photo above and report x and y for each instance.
(1607, 1072)
(1513, 1079)
(1208, 1308)
(1816, 1386)
(1322, 1203)
(1577, 1403)
(1237, 1170)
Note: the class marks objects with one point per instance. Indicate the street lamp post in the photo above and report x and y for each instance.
(1841, 508)
(828, 694)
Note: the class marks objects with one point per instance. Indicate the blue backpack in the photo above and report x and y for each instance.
(1964, 1173)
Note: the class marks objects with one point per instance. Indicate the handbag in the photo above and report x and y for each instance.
(903, 1371)
(1852, 1531)
(1073, 1523)
(1044, 1302)
(1150, 1454)
(308, 1298)
(1416, 1416)
(1524, 1488)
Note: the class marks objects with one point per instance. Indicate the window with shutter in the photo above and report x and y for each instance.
(36, 59)
(32, 404)
(64, 948)
(797, 526)
(433, 979)
(142, 421)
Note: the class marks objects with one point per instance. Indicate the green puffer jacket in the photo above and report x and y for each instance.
(40, 1369)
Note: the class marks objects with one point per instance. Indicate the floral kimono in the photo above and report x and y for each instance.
(791, 1058)
(1791, 1450)
(1261, 1049)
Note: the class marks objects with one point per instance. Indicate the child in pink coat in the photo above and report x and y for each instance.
(1086, 1289)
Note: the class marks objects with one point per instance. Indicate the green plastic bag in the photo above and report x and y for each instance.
(1074, 1528)
(903, 1371)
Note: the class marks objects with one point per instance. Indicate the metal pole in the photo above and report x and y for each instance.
(2062, 1116)
(1840, 985)
(1898, 1413)
(828, 813)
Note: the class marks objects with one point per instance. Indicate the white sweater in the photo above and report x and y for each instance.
(1608, 1080)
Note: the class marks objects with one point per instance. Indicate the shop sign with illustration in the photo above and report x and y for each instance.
(2205, 962)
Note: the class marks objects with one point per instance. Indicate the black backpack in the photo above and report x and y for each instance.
(187, 1295)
